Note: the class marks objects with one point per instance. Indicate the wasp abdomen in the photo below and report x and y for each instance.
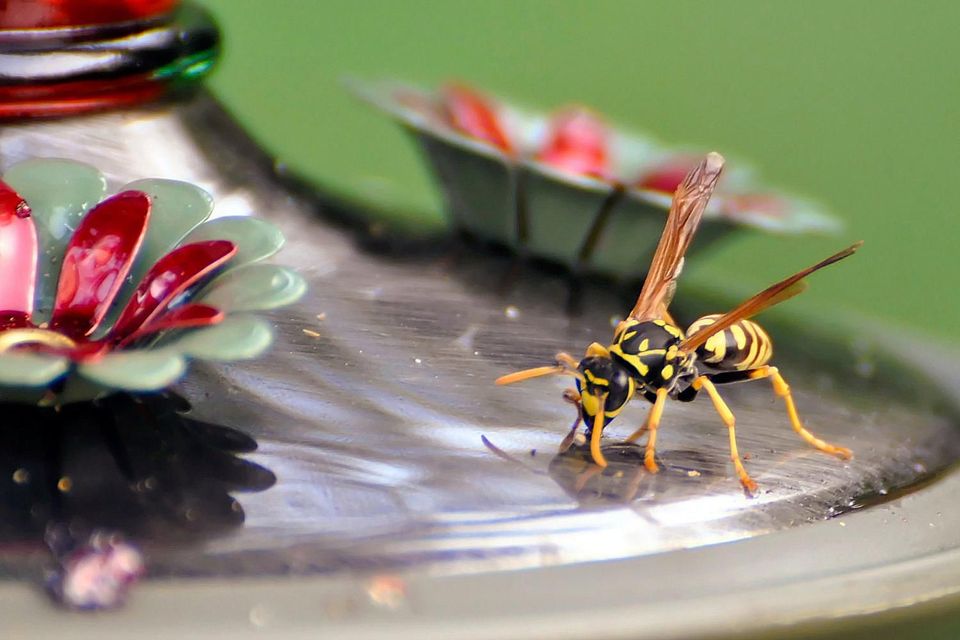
(741, 346)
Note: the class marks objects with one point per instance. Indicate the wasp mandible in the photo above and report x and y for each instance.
(653, 357)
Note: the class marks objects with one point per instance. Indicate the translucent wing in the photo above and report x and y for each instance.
(775, 294)
(689, 202)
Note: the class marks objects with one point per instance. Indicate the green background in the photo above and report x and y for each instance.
(855, 104)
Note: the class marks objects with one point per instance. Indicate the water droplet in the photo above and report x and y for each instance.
(261, 615)
(389, 592)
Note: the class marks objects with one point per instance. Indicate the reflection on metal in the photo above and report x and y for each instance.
(371, 407)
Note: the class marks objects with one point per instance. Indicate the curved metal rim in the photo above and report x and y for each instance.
(845, 587)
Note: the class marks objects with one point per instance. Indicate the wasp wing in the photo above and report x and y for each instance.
(689, 202)
(775, 294)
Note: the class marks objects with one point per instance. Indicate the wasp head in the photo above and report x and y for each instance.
(603, 379)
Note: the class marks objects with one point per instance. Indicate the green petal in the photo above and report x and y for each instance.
(255, 239)
(236, 338)
(30, 369)
(138, 370)
(256, 287)
(176, 208)
(59, 192)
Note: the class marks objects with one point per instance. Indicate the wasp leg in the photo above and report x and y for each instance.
(597, 432)
(572, 396)
(633, 437)
(728, 419)
(650, 425)
(782, 389)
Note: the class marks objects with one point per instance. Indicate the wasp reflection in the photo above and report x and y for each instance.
(625, 478)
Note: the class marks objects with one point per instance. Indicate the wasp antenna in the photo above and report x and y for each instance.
(526, 374)
(503, 455)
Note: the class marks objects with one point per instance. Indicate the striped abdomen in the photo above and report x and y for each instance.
(744, 345)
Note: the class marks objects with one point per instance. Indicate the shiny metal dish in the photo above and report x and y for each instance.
(390, 516)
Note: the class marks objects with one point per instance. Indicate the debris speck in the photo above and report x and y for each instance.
(311, 333)
(615, 320)
(418, 360)
(388, 592)
(21, 476)
(842, 524)
(512, 312)
(322, 316)
(693, 473)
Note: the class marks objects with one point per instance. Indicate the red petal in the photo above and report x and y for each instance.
(473, 114)
(668, 176)
(97, 260)
(172, 274)
(577, 143)
(185, 317)
(18, 255)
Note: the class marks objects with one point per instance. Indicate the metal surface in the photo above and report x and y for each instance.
(370, 409)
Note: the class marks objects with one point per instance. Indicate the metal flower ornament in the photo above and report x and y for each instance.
(567, 186)
(104, 294)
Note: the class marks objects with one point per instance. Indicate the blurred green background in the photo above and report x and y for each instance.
(855, 104)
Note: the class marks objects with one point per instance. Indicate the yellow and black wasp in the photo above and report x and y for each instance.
(652, 356)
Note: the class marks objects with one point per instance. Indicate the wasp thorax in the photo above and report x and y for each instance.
(650, 350)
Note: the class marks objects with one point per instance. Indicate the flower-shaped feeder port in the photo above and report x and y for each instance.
(101, 295)
(567, 187)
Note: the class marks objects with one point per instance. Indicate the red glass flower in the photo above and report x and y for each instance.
(98, 258)
(111, 301)
(42, 14)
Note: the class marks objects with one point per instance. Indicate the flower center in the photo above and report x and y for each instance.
(14, 338)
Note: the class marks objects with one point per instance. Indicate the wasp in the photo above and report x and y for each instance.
(652, 357)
